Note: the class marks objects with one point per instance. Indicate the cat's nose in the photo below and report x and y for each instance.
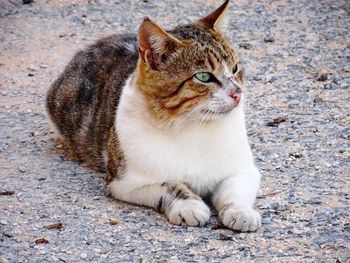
(235, 96)
(235, 92)
(233, 89)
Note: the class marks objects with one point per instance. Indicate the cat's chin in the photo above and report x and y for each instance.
(217, 114)
(211, 115)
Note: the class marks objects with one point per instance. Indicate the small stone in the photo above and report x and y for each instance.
(245, 45)
(83, 255)
(269, 39)
(27, 2)
(31, 74)
(22, 169)
(278, 207)
(344, 85)
(269, 233)
(297, 231)
(296, 155)
(345, 133)
(3, 222)
(314, 201)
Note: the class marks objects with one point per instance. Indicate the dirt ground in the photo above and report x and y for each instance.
(297, 59)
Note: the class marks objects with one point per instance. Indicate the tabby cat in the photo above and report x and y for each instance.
(162, 113)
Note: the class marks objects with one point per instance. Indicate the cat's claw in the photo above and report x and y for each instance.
(244, 220)
(188, 212)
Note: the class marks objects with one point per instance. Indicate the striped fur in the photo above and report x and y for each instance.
(133, 106)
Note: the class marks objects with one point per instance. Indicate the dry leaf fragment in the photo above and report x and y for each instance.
(113, 221)
(7, 193)
(41, 241)
(275, 122)
(54, 226)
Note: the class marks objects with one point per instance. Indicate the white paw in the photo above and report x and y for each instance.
(188, 212)
(243, 220)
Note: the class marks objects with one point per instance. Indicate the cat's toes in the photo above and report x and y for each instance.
(188, 212)
(244, 220)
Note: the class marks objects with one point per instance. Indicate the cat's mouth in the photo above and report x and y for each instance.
(217, 112)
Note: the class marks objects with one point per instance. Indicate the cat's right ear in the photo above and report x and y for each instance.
(154, 43)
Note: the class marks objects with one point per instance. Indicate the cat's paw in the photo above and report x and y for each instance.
(188, 212)
(244, 220)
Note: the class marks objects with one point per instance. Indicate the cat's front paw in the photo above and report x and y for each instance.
(244, 220)
(188, 212)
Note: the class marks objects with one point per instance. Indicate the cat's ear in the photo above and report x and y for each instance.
(154, 43)
(216, 20)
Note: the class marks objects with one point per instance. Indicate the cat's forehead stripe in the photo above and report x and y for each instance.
(211, 62)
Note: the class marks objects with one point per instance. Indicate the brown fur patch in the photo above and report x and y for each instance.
(170, 91)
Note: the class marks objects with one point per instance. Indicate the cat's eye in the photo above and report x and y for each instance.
(234, 69)
(205, 77)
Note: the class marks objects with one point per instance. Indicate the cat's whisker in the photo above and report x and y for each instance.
(183, 118)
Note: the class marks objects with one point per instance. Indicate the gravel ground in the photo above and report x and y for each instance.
(297, 60)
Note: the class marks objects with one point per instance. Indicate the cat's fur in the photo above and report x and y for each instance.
(131, 104)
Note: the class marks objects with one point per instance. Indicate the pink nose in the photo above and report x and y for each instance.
(235, 96)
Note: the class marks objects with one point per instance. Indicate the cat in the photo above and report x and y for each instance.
(162, 113)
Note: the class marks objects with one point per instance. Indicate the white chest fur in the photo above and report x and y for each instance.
(200, 156)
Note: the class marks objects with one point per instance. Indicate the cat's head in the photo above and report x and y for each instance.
(190, 73)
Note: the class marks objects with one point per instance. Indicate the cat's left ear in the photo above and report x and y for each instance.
(155, 44)
(216, 20)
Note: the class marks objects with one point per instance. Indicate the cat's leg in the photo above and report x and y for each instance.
(234, 198)
(175, 199)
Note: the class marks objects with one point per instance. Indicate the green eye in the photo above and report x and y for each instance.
(234, 69)
(205, 77)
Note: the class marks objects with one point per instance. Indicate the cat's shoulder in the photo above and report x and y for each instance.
(120, 43)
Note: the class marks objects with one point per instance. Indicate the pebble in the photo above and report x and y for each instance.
(296, 155)
(83, 255)
(278, 207)
(245, 45)
(269, 39)
(345, 133)
(314, 201)
(3, 222)
(22, 169)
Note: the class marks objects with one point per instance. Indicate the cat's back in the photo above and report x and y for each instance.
(82, 102)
